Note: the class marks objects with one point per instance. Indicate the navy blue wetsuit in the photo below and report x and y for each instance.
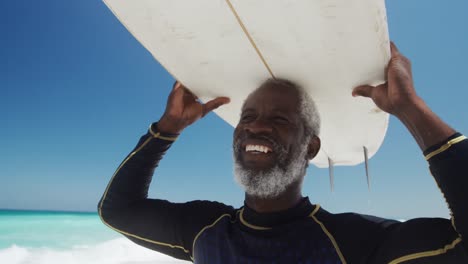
(212, 232)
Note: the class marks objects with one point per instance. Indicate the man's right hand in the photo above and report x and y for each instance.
(183, 109)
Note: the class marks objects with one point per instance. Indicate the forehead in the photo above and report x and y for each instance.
(273, 96)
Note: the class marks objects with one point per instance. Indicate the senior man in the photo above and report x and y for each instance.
(273, 143)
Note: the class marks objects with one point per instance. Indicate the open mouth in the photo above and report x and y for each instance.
(257, 149)
(257, 153)
(257, 156)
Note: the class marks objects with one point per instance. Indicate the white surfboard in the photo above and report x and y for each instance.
(229, 47)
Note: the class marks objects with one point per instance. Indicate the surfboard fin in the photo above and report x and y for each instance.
(330, 171)
(366, 159)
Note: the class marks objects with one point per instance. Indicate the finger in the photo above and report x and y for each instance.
(176, 85)
(363, 90)
(215, 103)
(189, 97)
(394, 50)
(189, 94)
(177, 94)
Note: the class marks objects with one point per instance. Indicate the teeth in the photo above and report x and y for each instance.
(258, 148)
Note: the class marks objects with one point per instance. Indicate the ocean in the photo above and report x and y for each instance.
(38, 237)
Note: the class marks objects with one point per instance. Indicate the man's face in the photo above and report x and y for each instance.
(269, 138)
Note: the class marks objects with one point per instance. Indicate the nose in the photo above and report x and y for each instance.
(258, 126)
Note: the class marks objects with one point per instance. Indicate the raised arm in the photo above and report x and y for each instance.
(446, 150)
(398, 97)
(158, 224)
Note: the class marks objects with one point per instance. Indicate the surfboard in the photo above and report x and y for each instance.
(229, 47)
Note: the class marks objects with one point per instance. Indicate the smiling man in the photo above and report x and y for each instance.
(275, 139)
(273, 143)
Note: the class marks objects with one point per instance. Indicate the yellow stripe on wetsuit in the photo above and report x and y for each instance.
(445, 147)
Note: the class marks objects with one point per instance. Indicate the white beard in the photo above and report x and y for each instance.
(271, 183)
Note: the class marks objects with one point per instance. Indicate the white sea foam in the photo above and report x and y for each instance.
(116, 251)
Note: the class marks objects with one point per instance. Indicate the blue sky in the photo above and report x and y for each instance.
(77, 91)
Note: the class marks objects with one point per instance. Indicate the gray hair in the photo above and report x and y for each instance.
(307, 108)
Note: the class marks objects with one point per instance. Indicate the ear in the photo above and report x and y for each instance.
(313, 147)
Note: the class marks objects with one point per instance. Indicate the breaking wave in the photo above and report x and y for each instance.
(115, 251)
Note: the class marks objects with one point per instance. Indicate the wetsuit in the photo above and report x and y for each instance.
(212, 232)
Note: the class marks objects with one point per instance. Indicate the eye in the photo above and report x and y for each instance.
(247, 118)
(281, 120)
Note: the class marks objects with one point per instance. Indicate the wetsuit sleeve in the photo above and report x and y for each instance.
(368, 239)
(435, 240)
(449, 165)
(169, 228)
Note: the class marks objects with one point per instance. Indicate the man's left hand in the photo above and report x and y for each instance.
(398, 93)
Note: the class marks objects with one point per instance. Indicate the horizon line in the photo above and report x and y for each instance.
(47, 211)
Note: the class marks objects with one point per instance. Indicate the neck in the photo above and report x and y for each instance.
(288, 199)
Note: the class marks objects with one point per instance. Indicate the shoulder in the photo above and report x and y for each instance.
(356, 235)
(370, 239)
(213, 205)
(354, 222)
(205, 211)
(433, 239)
